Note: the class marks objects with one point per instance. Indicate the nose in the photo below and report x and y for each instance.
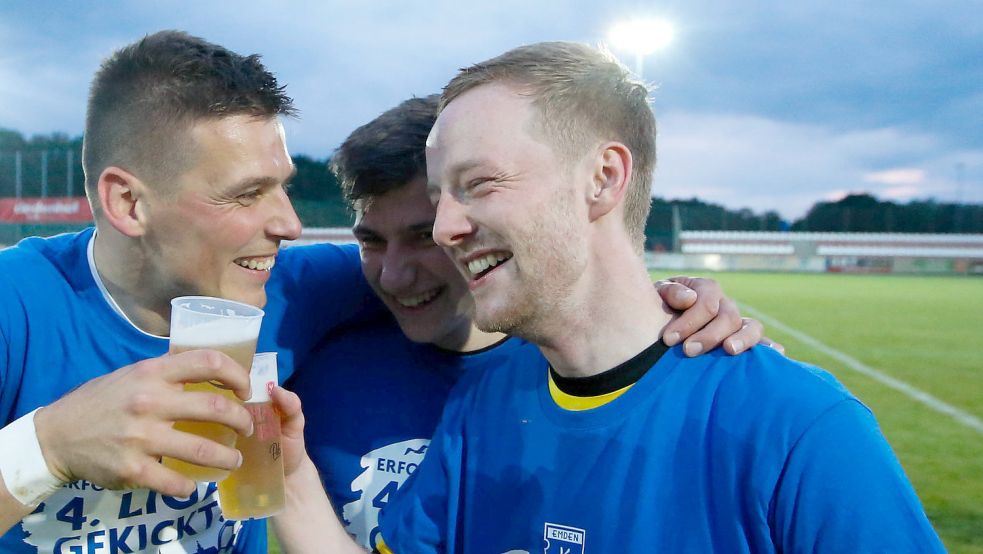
(451, 225)
(398, 269)
(284, 225)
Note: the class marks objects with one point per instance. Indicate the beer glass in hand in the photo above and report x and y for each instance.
(255, 489)
(214, 323)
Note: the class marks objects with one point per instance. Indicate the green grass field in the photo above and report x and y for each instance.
(925, 331)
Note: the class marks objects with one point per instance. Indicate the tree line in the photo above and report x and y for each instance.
(855, 213)
(319, 203)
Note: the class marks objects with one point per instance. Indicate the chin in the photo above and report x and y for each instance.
(504, 319)
(253, 298)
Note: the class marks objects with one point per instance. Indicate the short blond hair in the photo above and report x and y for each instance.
(584, 96)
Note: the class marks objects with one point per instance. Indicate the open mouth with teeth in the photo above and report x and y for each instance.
(418, 300)
(263, 263)
(483, 265)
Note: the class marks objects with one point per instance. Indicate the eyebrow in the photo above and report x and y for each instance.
(361, 229)
(261, 182)
(423, 225)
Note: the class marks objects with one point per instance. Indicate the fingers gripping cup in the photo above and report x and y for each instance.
(231, 327)
(255, 489)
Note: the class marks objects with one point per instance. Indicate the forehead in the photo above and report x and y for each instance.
(241, 130)
(402, 207)
(241, 147)
(485, 123)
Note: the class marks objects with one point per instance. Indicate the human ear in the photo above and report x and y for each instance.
(122, 199)
(610, 178)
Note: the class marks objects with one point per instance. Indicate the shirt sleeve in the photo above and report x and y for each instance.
(316, 289)
(327, 280)
(252, 538)
(843, 490)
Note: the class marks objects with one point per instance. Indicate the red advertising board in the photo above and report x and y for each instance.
(44, 210)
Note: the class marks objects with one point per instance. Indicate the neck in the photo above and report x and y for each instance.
(123, 273)
(612, 314)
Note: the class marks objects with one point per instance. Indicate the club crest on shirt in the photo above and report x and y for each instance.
(562, 539)
(384, 471)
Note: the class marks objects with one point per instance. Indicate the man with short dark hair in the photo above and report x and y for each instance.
(539, 167)
(186, 168)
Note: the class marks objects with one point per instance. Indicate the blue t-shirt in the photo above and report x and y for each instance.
(749, 453)
(57, 331)
(372, 399)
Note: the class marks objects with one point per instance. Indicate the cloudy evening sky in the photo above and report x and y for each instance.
(769, 105)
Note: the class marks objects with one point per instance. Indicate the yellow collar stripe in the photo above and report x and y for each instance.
(581, 403)
(382, 548)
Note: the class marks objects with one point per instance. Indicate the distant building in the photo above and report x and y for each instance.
(820, 252)
(314, 235)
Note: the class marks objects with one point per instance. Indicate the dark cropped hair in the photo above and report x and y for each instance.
(387, 152)
(146, 95)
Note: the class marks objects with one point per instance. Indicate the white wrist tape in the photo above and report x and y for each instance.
(22, 465)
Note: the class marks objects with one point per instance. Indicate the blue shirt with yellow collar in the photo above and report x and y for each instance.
(749, 453)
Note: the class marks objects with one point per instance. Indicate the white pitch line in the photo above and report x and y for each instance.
(965, 418)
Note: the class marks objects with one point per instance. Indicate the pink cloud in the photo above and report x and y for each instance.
(899, 176)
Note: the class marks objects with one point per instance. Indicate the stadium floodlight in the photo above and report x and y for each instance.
(641, 37)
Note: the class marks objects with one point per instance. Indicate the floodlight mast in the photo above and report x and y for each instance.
(641, 37)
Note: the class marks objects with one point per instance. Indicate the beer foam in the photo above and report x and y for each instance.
(216, 333)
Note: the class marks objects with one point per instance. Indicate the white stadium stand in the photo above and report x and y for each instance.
(838, 252)
(315, 235)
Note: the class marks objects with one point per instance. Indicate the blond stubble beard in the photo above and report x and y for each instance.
(553, 253)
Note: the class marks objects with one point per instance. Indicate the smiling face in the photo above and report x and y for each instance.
(411, 274)
(508, 209)
(216, 229)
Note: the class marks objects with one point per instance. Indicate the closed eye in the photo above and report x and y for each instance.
(368, 239)
(473, 183)
(370, 243)
(249, 197)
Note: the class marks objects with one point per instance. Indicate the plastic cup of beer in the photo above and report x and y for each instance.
(255, 489)
(199, 322)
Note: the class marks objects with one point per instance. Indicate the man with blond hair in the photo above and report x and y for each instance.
(395, 374)
(540, 165)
